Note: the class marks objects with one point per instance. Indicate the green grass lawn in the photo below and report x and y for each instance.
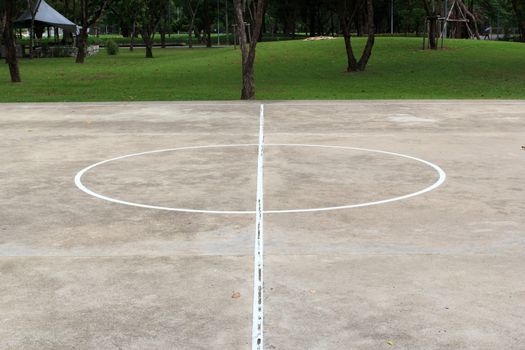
(284, 70)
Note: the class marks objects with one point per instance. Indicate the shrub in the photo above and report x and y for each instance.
(112, 47)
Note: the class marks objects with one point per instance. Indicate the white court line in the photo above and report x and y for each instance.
(440, 180)
(82, 187)
(258, 305)
(442, 176)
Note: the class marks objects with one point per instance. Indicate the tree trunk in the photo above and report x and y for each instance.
(312, 19)
(148, 35)
(332, 25)
(132, 38)
(125, 30)
(248, 80)
(290, 23)
(149, 50)
(358, 26)
(89, 16)
(248, 50)
(346, 18)
(82, 43)
(33, 11)
(163, 38)
(350, 57)
(32, 39)
(320, 26)
(432, 18)
(352, 63)
(227, 24)
(367, 52)
(207, 23)
(519, 11)
(82, 39)
(191, 29)
(432, 28)
(9, 41)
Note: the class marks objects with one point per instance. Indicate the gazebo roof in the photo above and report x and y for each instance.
(46, 16)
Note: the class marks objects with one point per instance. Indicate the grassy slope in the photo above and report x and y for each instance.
(285, 70)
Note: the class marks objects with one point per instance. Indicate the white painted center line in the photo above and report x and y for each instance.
(258, 281)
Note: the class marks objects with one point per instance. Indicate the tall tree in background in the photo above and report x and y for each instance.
(90, 13)
(432, 18)
(519, 11)
(207, 23)
(126, 13)
(347, 10)
(32, 7)
(8, 11)
(192, 6)
(256, 9)
(152, 12)
(286, 14)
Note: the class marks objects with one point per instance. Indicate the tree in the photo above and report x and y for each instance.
(192, 6)
(432, 18)
(347, 10)
(207, 23)
(90, 13)
(519, 11)
(33, 9)
(285, 13)
(126, 13)
(248, 48)
(149, 19)
(8, 10)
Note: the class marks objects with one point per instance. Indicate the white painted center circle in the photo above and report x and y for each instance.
(440, 180)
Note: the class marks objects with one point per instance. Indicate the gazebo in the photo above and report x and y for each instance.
(47, 16)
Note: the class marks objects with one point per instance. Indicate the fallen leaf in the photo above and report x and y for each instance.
(236, 295)
(390, 342)
(313, 291)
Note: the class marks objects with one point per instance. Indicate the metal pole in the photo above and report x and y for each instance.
(218, 23)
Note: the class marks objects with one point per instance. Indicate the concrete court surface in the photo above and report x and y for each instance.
(441, 270)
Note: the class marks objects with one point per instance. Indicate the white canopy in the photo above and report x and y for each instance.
(46, 16)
